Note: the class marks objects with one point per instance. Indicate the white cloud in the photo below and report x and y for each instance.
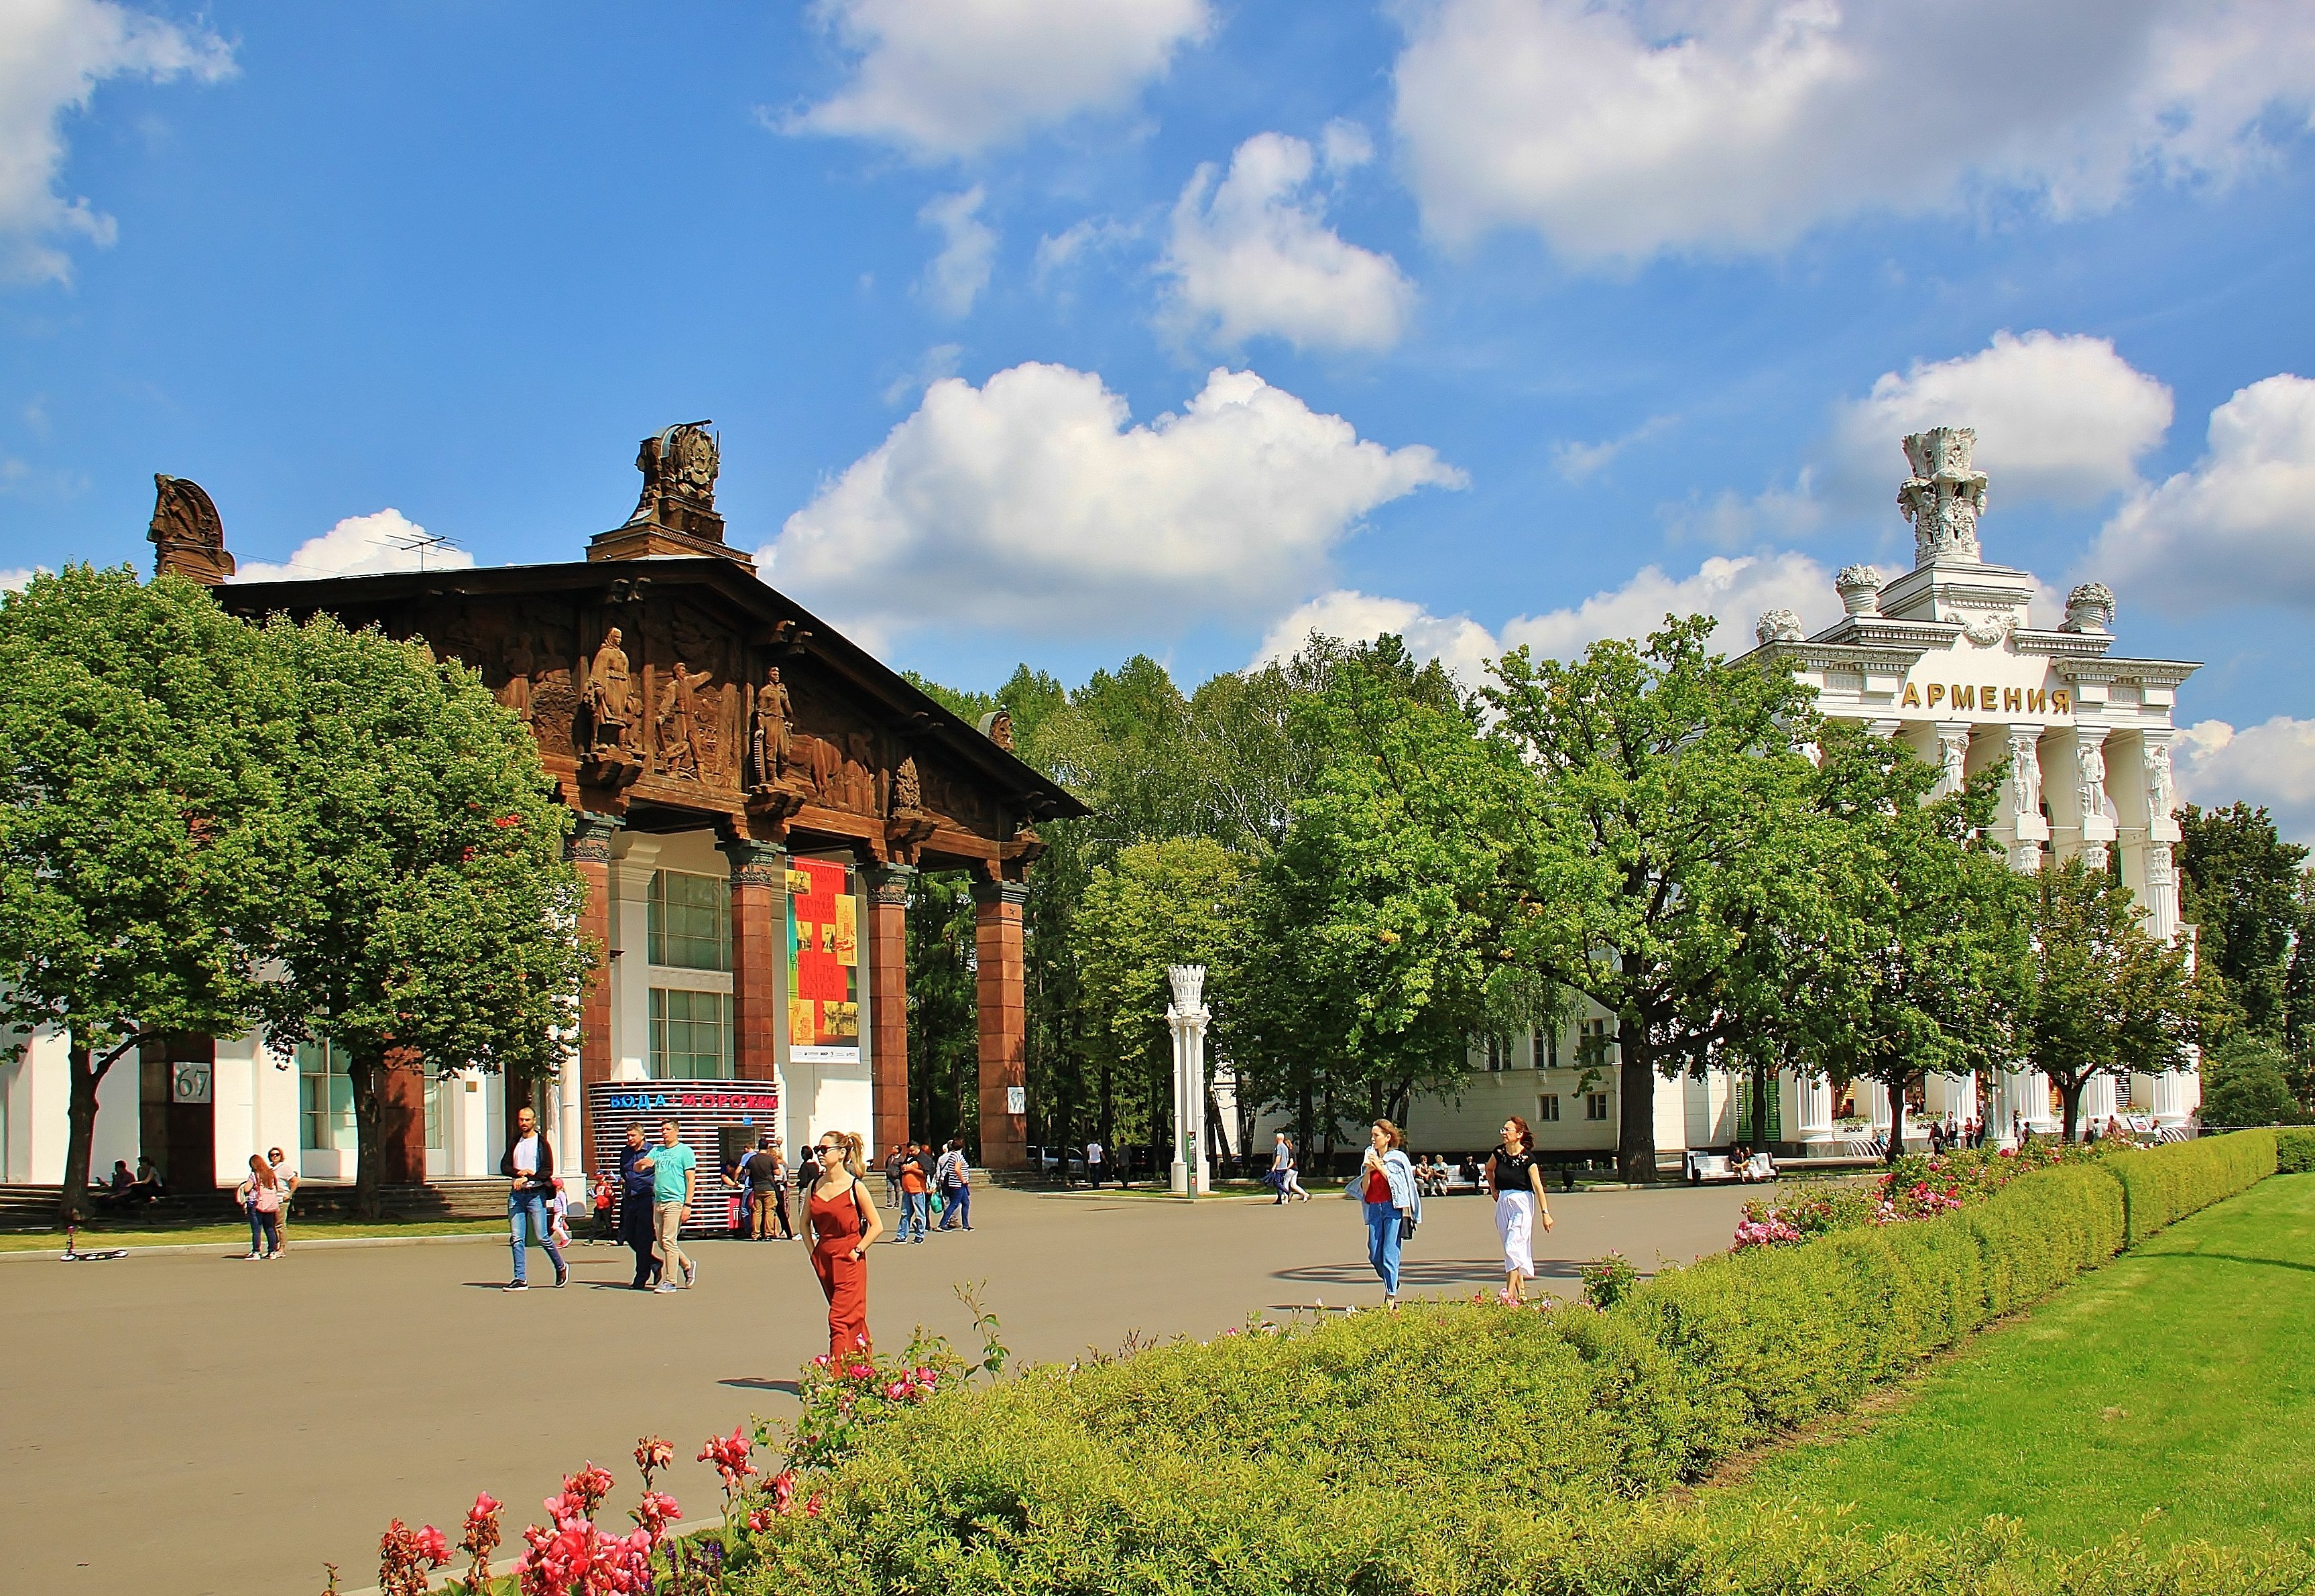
(1030, 502)
(53, 54)
(2238, 528)
(2272, 763)
(934, 364)
(2060, 419)
(1255, 255)
(945, 78)
(359, 546)
(1465, 645)
(15, 580)
(1736, 591)
(956, 275)
(1580, 462)
(1621, 129)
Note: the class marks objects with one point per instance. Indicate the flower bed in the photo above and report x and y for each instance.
(1917, 1186)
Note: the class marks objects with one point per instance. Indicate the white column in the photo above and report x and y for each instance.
(2076, 792)
(1952, 757)
(2023, 827)
(1187, 1017)
(634, 859)
(1812, 1097)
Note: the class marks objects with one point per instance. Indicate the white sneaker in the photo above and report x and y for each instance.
(690, 1274)
(666, 1286)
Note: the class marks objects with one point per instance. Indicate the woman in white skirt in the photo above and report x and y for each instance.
(1515, 1180)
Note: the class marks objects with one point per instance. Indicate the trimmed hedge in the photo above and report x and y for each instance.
(1457, 1448)
(2165, 1183)
(2294, 1151)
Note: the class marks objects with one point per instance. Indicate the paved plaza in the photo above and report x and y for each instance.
(191, 1424)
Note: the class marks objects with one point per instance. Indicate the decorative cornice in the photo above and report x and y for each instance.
(1015, 893)
(2160, 673)
(590, 842)
(1840, 656)
(2066, 645)
(890, 885)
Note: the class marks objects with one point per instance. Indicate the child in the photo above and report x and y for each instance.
(558, 1213)
(605, 1190)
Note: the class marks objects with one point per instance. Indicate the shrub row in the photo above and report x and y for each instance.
(2165, 1183)
(2294, 1150)
(1454, 1447)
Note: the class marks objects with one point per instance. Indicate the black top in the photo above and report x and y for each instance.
(638, 1183)
(761, 1166)
(1512, 1170)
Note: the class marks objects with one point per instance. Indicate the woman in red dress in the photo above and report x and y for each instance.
(843, 1224)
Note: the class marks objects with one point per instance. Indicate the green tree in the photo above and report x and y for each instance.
(1917, 971)
(2240, 886)
(2247, 1081)
(1375, 951)
(1664, 778)
(143, 824)
(1157, 904)
(2103, 997)
(429, 919)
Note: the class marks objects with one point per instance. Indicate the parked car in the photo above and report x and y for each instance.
(1050, 1160)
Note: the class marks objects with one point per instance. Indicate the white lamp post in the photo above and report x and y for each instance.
(1186, 1017)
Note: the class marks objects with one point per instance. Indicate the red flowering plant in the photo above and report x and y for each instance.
(480, 1540)
(1917, 1186)
(404, 1556)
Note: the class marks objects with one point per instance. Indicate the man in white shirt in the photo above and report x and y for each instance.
(529, 1168)
(1093, 1165)
(286, 1179)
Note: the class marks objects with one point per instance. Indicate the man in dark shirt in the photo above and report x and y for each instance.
(635, 1208)
(764, 1195)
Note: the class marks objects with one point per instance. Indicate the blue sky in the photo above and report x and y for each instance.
(1055, 332)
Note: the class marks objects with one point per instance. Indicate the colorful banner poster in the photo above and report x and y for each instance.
(823, 944)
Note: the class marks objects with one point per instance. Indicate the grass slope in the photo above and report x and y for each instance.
(237, 1234)
(2178, 1380)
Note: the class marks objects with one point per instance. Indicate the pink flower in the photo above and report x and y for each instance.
(782, 1489)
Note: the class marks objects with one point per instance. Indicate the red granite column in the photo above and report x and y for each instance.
(888, 1001)
(759, 872)
(1004, 1022)
(402, 1119)
(590, 848)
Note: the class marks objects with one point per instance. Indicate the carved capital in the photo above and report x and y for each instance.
(890, 885)
(1015, 893)
(590, 842)
(756, 864)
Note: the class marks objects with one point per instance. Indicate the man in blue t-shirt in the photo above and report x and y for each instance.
(673, 1168)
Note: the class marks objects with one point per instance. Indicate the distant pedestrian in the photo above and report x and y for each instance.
(1937, 1139)
(844, 1225)
(1281, 1159)
(952, 1175)
(916, 1195)
(1515, 1180)
(675, 1187)
(1385, 1181)
(606, 1202)
(892, 1174)
(528, 1166)
(288, 1180)
(763, 1171)
(1291, 1186)
(636, 1188)
(1093, 1163)
(260, 1199)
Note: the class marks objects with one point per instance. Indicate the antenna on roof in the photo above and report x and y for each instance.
(418, 542)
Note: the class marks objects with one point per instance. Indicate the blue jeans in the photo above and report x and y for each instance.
(264, 1232)
(956, 1207)
(915, 1207)
(1382, 1244)
(529, 1206)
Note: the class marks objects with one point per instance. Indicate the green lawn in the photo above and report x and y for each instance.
(237, 1234)
(2179, 1382)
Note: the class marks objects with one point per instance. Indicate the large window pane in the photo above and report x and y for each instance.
(326, 1100)
(691, 1036)
(689, 921)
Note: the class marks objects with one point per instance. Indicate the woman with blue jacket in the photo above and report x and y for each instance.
(1394, 1207)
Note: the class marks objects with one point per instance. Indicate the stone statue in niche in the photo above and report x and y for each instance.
(2025, 776)
(1953, 757)
(2160, 799)
(610, 697)
(686, 737)
(859, 789)
(768, 742)
(521, 664)
(2091, 779)
(997, 726)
